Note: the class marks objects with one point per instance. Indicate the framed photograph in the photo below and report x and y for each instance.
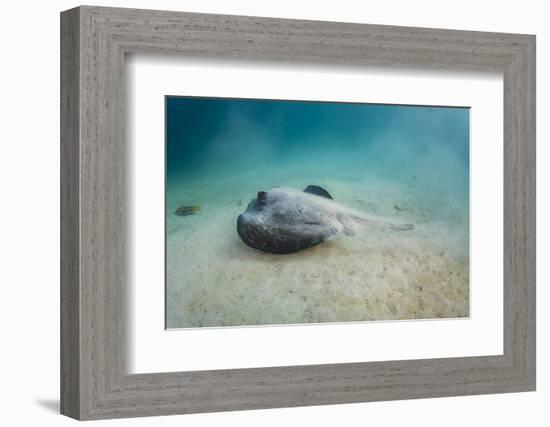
(352, 251)
(263, 213)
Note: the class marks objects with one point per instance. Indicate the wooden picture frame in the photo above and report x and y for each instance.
(94, 382)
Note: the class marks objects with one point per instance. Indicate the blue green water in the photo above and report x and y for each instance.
(405, 163)
(206, 136)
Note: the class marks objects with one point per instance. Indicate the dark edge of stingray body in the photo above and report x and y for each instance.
(277, 241)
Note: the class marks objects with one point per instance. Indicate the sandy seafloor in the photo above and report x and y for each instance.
(213, 279)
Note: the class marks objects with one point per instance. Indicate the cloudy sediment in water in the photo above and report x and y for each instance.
(398, 163)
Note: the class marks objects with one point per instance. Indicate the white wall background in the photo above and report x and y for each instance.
(29, 212)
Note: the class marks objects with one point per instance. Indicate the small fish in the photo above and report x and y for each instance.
(187, 210)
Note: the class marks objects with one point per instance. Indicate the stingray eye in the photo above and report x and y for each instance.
(262, 197)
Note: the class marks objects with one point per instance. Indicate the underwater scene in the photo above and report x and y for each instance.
(291, 212)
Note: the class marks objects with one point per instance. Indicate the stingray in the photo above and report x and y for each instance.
(285, 220)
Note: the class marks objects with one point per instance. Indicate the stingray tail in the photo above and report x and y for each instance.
(402, 227)
(384, 224)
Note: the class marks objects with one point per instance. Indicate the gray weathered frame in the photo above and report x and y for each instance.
(94, 41)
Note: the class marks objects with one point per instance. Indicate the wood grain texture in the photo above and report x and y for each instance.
(70, 292)
(94, 381)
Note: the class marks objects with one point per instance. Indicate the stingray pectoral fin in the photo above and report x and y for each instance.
(317, 191)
